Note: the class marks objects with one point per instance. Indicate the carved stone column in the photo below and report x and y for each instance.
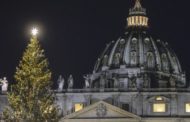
(102, 82)
(64, 105)
(173, 105)
(115, 100)
(136, 103)
(87, 99)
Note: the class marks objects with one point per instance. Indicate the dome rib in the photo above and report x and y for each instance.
(141, 51)
(112, 53)
(126, 50)
(158, 60)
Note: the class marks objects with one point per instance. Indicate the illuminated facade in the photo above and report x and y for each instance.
(136, 79)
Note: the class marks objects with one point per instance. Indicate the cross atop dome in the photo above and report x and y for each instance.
(137, 4)
(137, 9)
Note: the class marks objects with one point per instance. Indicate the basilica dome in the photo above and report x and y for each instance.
(137, 60)
(139, 49)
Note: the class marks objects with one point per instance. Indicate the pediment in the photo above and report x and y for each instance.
(101, 109)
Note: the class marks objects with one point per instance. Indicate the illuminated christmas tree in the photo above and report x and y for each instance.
(31, 98)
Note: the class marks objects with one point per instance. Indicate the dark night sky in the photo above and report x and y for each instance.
(74, 32)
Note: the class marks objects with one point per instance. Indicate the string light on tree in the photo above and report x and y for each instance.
(31, 98)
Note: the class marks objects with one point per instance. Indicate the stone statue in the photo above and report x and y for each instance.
(115, 80)
(172, 82)
(87, 85)
(139, 83)
(105, 60)
(87, 80)
(61, 83)
(70, 82)
(146, 81)
(4, 86)
(117, 59)
(102, 81)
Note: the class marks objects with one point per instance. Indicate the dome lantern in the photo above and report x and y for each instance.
(137, 16)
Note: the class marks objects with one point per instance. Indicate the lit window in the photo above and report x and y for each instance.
(136, 20)
(187, 107)
(129, 21)
(78, 107)
(159, 107)
(159, 98)
(146, 21)
(141, 21)
(133, 21)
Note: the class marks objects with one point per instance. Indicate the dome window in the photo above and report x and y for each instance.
(133, 58)
(158, 40)
(164, 62)
(117, 59)
(150, 60)
(134, 40)
(122, 41)
(134, 44)
(105, 60)
(147, 40)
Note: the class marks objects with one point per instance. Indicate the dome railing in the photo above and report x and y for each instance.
(124, 90)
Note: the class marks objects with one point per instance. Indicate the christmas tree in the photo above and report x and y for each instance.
(31, 98)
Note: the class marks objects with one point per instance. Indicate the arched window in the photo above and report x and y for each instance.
(146, 40)
(165, 66)
(122, 41)
(159, 106)
(133, 57)
(134, 43)
(150, 60)
(105, 60)
(134, 40)
(117, 59)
